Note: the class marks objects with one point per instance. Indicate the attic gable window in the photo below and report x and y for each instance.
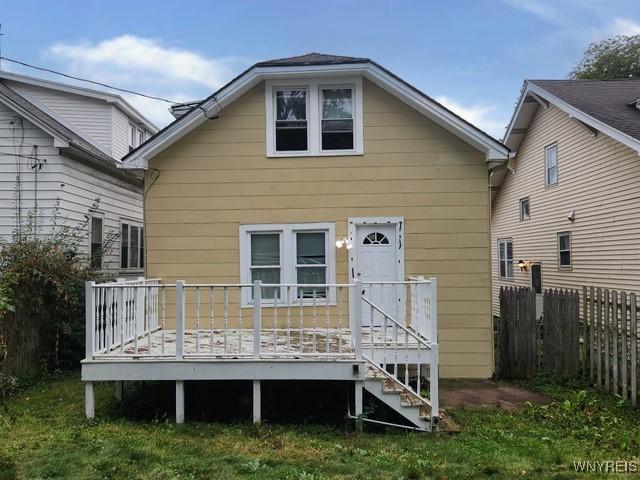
(314, 117)
(291, 120)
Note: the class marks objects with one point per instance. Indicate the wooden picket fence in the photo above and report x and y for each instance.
(595, 336)
(610, 341)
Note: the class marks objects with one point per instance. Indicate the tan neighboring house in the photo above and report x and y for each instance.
(311, 174)
(566, 210)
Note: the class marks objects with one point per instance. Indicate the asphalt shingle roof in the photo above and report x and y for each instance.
(605, 100)
(313, 58)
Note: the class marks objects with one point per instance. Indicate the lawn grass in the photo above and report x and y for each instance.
(44, 435)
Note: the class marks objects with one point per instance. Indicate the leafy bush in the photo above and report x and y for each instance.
(42, 278)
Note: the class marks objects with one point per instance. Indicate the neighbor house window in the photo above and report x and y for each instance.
(136, 136)
(291, 120)
(299, 255)
(96, 242)
(337, 118)
(505, 258)
(314, 117)
(131, 245)
(524, 209)
(564, 250)
(551, 165)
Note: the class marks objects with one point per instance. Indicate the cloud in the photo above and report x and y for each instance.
(148, 66)
(484, 117)
(624, 26)
(535, 7)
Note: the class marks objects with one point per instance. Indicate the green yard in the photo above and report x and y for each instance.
(44, 435)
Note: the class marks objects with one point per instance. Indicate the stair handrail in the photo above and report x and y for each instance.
(406, 388)
(398, 324)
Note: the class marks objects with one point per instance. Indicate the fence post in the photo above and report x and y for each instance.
(257, 318)
(179, 319)
(357, 321)
(90, 312)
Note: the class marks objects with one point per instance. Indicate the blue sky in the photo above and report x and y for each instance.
(471, 55)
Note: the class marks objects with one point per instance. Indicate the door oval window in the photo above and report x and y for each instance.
(375, 238)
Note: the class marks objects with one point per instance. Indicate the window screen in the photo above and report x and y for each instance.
(96, 242)
(265, 262)
(311, 263)
(291, 120)
(337, 119)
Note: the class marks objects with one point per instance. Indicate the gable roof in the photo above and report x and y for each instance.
(63, 135)
(308, 65)
(108, 97)
(607, 106)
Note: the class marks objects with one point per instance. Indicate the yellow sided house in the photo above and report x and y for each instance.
(317, 218)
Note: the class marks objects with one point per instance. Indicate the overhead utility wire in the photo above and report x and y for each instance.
(152, 97)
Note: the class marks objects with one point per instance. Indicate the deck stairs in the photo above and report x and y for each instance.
(399, 397)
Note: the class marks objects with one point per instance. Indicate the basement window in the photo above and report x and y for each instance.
(309, 117)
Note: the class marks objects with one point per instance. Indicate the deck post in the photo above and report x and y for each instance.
(89, 400)
(179, 401)
(119, 389)
(433, 314)
(433, 385)
(257, 399)
(358, 403)
(357, 320)
(89, 319)
(179, 319)
(257, 325)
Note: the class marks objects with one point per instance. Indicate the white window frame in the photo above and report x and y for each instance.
(521, 204)
(101, 217)
(288, 258)
(505, 260)
(553, 146)
(140, 226)
(314, 114)
(570, 250)
(136, 136)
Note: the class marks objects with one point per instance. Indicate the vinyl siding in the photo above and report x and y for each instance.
(217, 177)
(66, 188)
(49, 177)
(92, 118)
(599, 179)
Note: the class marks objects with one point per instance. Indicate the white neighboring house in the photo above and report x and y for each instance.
(60, 151)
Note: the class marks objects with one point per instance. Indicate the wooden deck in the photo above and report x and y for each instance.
(238, 343)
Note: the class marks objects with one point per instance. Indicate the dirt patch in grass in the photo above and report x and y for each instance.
(487, 393)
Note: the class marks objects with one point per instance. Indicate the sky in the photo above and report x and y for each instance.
(471, 55)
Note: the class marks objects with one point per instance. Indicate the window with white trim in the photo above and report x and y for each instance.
(131, 245)
(316, 117)
(564, 250)
(136, 136)
(551, 165)
(524, 209)
(96, 242)
(300, 254)
(505, 258)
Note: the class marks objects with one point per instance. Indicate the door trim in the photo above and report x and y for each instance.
(354, 222)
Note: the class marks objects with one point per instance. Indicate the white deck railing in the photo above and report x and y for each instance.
(146, 318)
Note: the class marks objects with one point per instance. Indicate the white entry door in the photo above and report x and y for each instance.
(376, 261)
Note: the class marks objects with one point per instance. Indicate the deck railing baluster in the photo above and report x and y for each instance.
(163, 306)
(406, 358)
(180, 320)
(339, 297)
(149, 317)
(326, 307)
(257, 319)
(197, 320)
(212, 301)
(371, 319)
(135, 320)
(225, 292)
(288, 319)
(240, 320)
(275, 323)
(315, 320)
(301, 319)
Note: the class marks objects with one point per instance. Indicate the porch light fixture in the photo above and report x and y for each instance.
(344, 242)
(523, 265)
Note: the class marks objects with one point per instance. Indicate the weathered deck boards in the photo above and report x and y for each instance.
(239, 343)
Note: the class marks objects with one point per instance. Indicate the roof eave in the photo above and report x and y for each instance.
(494, 150)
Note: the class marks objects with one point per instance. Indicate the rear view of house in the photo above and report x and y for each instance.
(60, 151)
(566, 209)
(298, 224)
